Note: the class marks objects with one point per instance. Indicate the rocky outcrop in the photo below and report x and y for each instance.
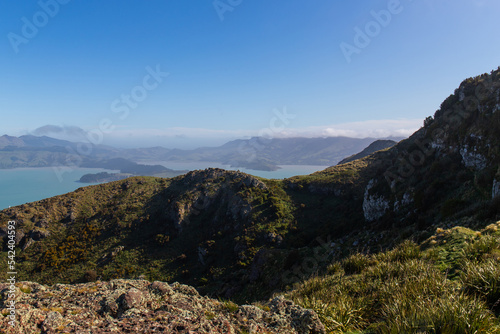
(374, 206)
(139, 306)
(472, 158)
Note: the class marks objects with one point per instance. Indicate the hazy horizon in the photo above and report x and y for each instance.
(175, 74)
(195, 144)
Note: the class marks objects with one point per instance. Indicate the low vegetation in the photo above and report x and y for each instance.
(405, 291)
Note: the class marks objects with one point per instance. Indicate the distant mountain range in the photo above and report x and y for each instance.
(256, 153)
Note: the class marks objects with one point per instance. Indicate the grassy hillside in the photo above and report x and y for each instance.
(448, 284)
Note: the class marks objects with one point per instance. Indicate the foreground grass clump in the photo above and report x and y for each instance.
(403, 291)
(483, 279)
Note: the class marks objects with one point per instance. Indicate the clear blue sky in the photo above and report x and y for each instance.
(228, 77)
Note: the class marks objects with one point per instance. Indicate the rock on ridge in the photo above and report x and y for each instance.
(139, 306)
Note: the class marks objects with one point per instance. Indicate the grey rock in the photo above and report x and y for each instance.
(495, 192)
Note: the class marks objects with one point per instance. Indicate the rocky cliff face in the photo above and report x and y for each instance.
(137, 306)
(455, 151)
(374, 206)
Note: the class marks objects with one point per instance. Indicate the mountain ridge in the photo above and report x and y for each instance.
(256, 153)
(373, 147)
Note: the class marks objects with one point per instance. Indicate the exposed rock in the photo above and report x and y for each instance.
(43, 223)
(374, 206)
(472, 159)
(52, 320)
(19, 236)
(496, 189)
(71, 216)
(406, 200)
(39, 234)
(132, 299)
(138, 306)
(202, 252)
(461, 94)
(27, 242)
(302, 320)
(106, 258)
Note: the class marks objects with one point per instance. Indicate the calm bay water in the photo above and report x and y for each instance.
(24, 185)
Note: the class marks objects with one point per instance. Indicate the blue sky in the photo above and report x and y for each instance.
(235, 66)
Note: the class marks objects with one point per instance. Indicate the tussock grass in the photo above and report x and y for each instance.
(403, 291)
(483, 279)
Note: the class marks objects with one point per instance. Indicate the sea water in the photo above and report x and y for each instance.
(24, 185)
